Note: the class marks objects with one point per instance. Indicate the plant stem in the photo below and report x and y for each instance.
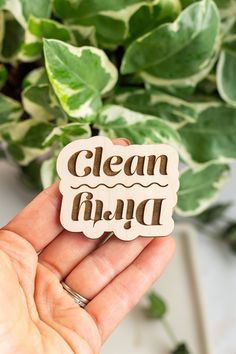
(169, 330)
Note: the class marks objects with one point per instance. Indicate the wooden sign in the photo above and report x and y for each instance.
(130, 190)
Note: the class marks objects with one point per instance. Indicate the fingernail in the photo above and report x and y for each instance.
(126, 141)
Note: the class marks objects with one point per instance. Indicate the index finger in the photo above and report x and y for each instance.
(39, 222)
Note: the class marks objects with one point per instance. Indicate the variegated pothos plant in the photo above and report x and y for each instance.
(149, 70)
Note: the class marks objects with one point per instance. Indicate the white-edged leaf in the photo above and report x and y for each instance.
(35, 77)
(11, 29)
(84, 35)
(116, 121)
(79, 76)
(47, 28)
(39, 101)
(213, 137)
(198, 189)
(39, 28)
(48, 172)
(25, 140)
(64, 134)
(66, 9)
(156, 103)
(22, 9)
(10, 110)
(173, 53)
(118, 22)
(226, 72)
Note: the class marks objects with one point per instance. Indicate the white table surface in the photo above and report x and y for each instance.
(216, 263)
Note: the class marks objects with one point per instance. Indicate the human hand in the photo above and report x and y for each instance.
(37, 315)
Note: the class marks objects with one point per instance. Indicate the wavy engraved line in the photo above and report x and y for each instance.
(120, 184)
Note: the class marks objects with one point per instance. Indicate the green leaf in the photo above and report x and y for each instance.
(156, 306)
(10, 110)
(2, 153)
(214, 213)
(2, 4)
(36, 134)
(151, 15)
(79, 76)
(88, 8)
(16, 152)
(23, 9)
(84, 35)
(31, 175)
(39, 101)
(3, 75)
(114, 23)
(224, 3)
(116, 121)
(198, 189)
(110, 32)
(64, 134)
(229, 236)
(157, 103)
(47, 28)
(173, 53)
(59, 137)
(35, 77)
(186, 3)
(39, 8)
(48, 172)
(39, 28)
(181, 349)
(25, 140)
(2, 29)
(30, 51)
(213, 136)
(226, 71)
(12, 29)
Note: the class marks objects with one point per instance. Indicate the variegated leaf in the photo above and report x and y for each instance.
(10, 110)
(25, 140)
(150, 15)
(198, 189)
(171, 109)
(172, 54)
(39, 28)
(88, 8)
(48, 172)
(39, 101)
(59, 137)
(79, 76)
(35, 77)
(47, 28)
(116, 121)
(22, 9)
(116, 25)
(64, 134)
(213, 136)
(11, 29)
(226, 71)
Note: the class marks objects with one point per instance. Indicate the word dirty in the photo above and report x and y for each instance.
(129, 190)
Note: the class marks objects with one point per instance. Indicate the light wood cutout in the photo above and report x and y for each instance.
(130, 190)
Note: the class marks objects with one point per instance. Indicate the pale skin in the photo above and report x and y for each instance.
(36, 314)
